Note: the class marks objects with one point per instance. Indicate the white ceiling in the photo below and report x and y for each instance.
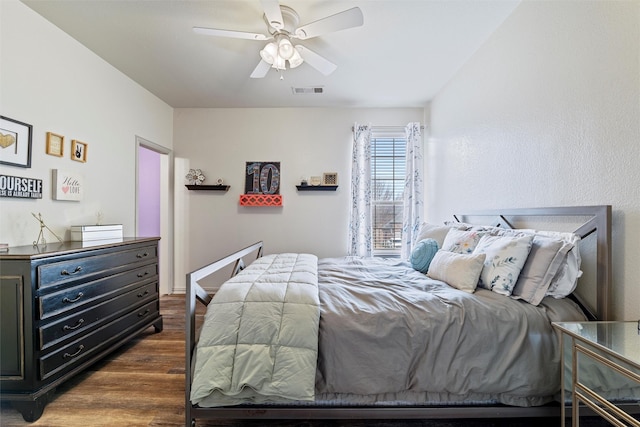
(405, 52)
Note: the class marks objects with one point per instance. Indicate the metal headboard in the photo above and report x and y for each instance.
(598, 222)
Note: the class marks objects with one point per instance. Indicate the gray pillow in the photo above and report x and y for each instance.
(546, 257)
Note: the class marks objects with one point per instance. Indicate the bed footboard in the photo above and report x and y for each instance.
(194, 293)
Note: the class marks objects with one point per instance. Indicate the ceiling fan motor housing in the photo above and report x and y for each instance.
(291, 20)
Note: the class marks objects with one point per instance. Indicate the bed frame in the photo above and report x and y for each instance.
(598, 221)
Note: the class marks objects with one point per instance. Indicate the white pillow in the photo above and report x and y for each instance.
(505, 257)
(566, 278)
(433, 231)
(461, 241)
(565, 281)
(568, 272)
(460, 271)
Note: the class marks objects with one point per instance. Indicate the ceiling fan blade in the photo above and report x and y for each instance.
(231, 34)
(261, 70)
(273, 13)
(340, 21)
(318, 62)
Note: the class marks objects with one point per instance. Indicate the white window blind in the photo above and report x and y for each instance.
(388, 163)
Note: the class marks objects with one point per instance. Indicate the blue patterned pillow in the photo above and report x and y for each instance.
(422, 254)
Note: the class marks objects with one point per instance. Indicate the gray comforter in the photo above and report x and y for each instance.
(388, 334)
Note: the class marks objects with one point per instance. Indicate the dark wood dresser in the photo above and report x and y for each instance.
(64, 306)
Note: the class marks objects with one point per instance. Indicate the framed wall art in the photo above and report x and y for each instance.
(78, 151)
(15, 142)
(55, 144)
(330, 178)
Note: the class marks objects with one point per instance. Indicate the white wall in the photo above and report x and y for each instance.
(547, 113)
(307, 141)
(49, 80)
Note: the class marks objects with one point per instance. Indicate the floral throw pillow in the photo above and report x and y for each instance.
(505, 257)
(461, 241)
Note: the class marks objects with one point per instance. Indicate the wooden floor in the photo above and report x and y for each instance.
(142, 384)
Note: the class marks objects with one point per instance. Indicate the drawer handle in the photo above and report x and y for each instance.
(78, 269)
(76, 326)
(143, 274)
(144, 313)
(67, 355)
(143, 255)
(141, 294)
(67, 300)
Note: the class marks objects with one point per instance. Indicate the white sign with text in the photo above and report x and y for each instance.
(67, 185)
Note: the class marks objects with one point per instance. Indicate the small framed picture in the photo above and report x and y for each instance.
(78, 151)
(15, 143)
(330, 178)
(55, 144)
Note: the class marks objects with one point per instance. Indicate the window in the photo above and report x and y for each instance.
(388, 152)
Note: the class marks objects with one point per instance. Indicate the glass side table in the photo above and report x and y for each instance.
(601, 370)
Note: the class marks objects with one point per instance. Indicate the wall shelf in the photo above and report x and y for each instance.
(208, 187)
(317, 187)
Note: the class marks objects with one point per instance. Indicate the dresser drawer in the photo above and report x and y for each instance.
(91, 344)
(83, 268)
(79, 322)
(77, 296)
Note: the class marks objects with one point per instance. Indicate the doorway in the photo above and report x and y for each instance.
(154, 204)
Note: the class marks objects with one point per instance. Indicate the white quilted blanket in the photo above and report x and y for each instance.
(259, 342)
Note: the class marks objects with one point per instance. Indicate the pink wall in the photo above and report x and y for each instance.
(148, 193)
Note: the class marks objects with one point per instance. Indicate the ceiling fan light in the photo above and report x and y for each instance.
(269, 53)
(295, 60)
(285, 48)
(279, 63)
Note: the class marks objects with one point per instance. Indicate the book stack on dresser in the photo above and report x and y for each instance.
(92, 233)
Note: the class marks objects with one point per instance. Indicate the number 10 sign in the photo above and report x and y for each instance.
(262, 178)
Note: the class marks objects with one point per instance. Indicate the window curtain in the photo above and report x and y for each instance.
(413, 201)
(360, 237)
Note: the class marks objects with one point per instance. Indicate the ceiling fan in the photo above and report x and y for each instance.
(282, 26)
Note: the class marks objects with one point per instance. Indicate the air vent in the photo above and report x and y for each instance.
(303, 90)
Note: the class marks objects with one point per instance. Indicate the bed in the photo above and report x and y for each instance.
(379, 339)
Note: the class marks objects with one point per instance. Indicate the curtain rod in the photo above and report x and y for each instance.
(390, 127)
